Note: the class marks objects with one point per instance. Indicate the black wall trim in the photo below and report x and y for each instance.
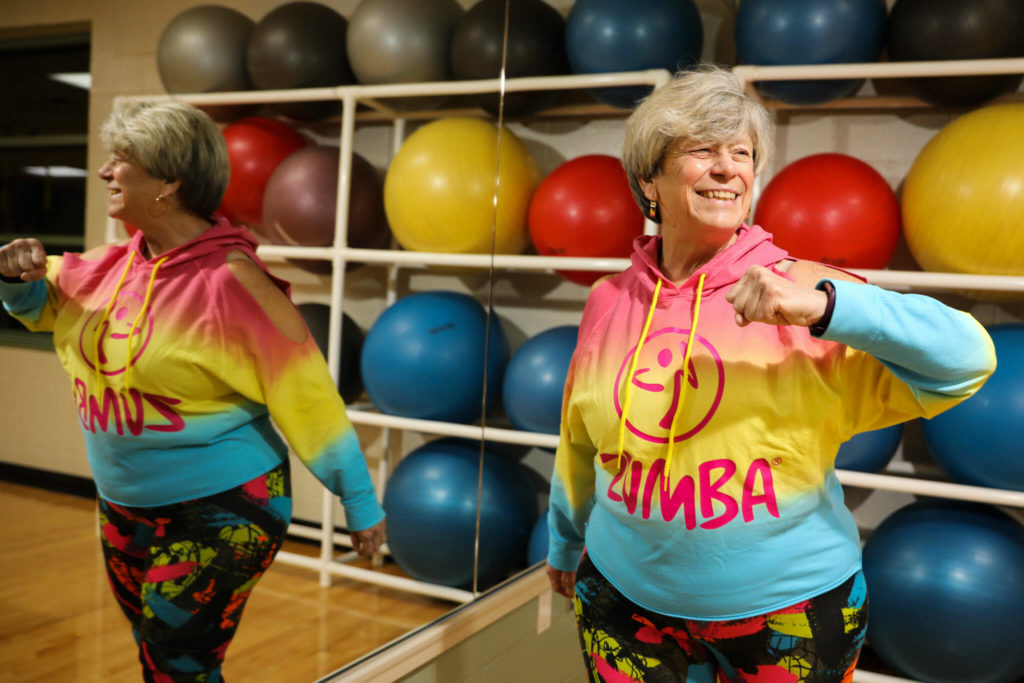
(45, 479)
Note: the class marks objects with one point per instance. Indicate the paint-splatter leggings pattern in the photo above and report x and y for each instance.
(183, 572)
(814, 641)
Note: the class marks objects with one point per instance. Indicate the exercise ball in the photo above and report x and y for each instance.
(535, 380)
(981, 441)
(963, 198)
(431, 502)
(300, 45)
(318, 320)
(585, 208)
(300, 203)
(869, 451)
(424, 357)
(775, 32)
(832, 208)
(604, 36)
(201, 50)
(439, 189)
(402, 41)
(946, 584)
(535, 40)
(924, 30)
(256, 145)
(537, 550)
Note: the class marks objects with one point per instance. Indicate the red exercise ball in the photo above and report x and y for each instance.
(585, 208)
(834, 209)
(256, 145)
(300, 203)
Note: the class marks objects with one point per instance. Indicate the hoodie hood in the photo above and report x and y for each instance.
(753, 245)
(222, 235)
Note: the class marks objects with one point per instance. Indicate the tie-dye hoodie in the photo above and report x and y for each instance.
(751, 516)
(187, 412)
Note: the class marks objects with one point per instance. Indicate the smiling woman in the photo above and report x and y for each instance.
(710, 389)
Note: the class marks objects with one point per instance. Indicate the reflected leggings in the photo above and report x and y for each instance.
(182, 572)
(817, 640)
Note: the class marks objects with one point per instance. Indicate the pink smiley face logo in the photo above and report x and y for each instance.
(659, 377)
(111, 352)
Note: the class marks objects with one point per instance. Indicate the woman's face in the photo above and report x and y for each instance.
(131, 190)
(705, 185)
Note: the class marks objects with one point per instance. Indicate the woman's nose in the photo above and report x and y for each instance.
(724, 163)
(104, 170)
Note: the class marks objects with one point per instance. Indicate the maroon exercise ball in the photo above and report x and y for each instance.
(300, 204)
(585, 208)
(834, 209)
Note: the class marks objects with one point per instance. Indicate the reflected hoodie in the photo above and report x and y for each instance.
(177, 372)
(696, 460)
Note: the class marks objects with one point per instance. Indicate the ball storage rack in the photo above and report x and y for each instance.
(373, 99)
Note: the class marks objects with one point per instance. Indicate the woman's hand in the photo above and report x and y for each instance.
(762, 296)
(367, 541)
(563, 583)
(23, 259)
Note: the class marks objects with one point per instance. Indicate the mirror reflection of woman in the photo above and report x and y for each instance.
(696, 519)
(182, 349)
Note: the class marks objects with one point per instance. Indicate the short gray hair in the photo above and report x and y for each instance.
(707, 103)
(173, 141)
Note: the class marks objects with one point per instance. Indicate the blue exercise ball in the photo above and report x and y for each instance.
(535, 380)
(424, 357)
(946, 585)
(869, 451)
(603, 36)
(431, 505)
(537, 550)
(775, 32)
(981, 441)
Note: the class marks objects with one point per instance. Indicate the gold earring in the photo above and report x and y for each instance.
(652, 210)
(159, 197)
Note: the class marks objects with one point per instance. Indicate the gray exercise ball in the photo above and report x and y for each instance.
(402, 41)
(202, 50)
(300, 45)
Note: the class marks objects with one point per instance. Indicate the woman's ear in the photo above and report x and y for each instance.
(650, 190)
(170, 188)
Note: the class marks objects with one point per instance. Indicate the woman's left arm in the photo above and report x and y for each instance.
(925, 343)
(293, 380)
(928, 345)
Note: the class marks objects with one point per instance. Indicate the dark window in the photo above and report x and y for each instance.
(44, 108)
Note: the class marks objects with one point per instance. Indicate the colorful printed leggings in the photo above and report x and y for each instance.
(182, 572)
(817, 641)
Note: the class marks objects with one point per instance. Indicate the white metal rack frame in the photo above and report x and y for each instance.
(329, 563)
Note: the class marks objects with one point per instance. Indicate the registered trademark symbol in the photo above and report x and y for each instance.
(777, 461)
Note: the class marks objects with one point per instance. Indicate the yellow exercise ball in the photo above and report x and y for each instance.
(439, 189)
(963, 198)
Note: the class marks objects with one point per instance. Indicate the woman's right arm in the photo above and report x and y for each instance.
(24, 268)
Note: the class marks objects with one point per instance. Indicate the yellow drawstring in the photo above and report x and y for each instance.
(682, 392)
(632, 370)
(106, 315)
(135, 323)
(142, 312)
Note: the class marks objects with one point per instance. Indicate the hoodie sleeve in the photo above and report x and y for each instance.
(293, 381)
(35, 304)
(573, 479)
(941, 355)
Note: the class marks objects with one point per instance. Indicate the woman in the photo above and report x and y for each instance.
(181, 348)
(711, 387)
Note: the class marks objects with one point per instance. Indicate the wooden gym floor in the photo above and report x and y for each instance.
(59, 622)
